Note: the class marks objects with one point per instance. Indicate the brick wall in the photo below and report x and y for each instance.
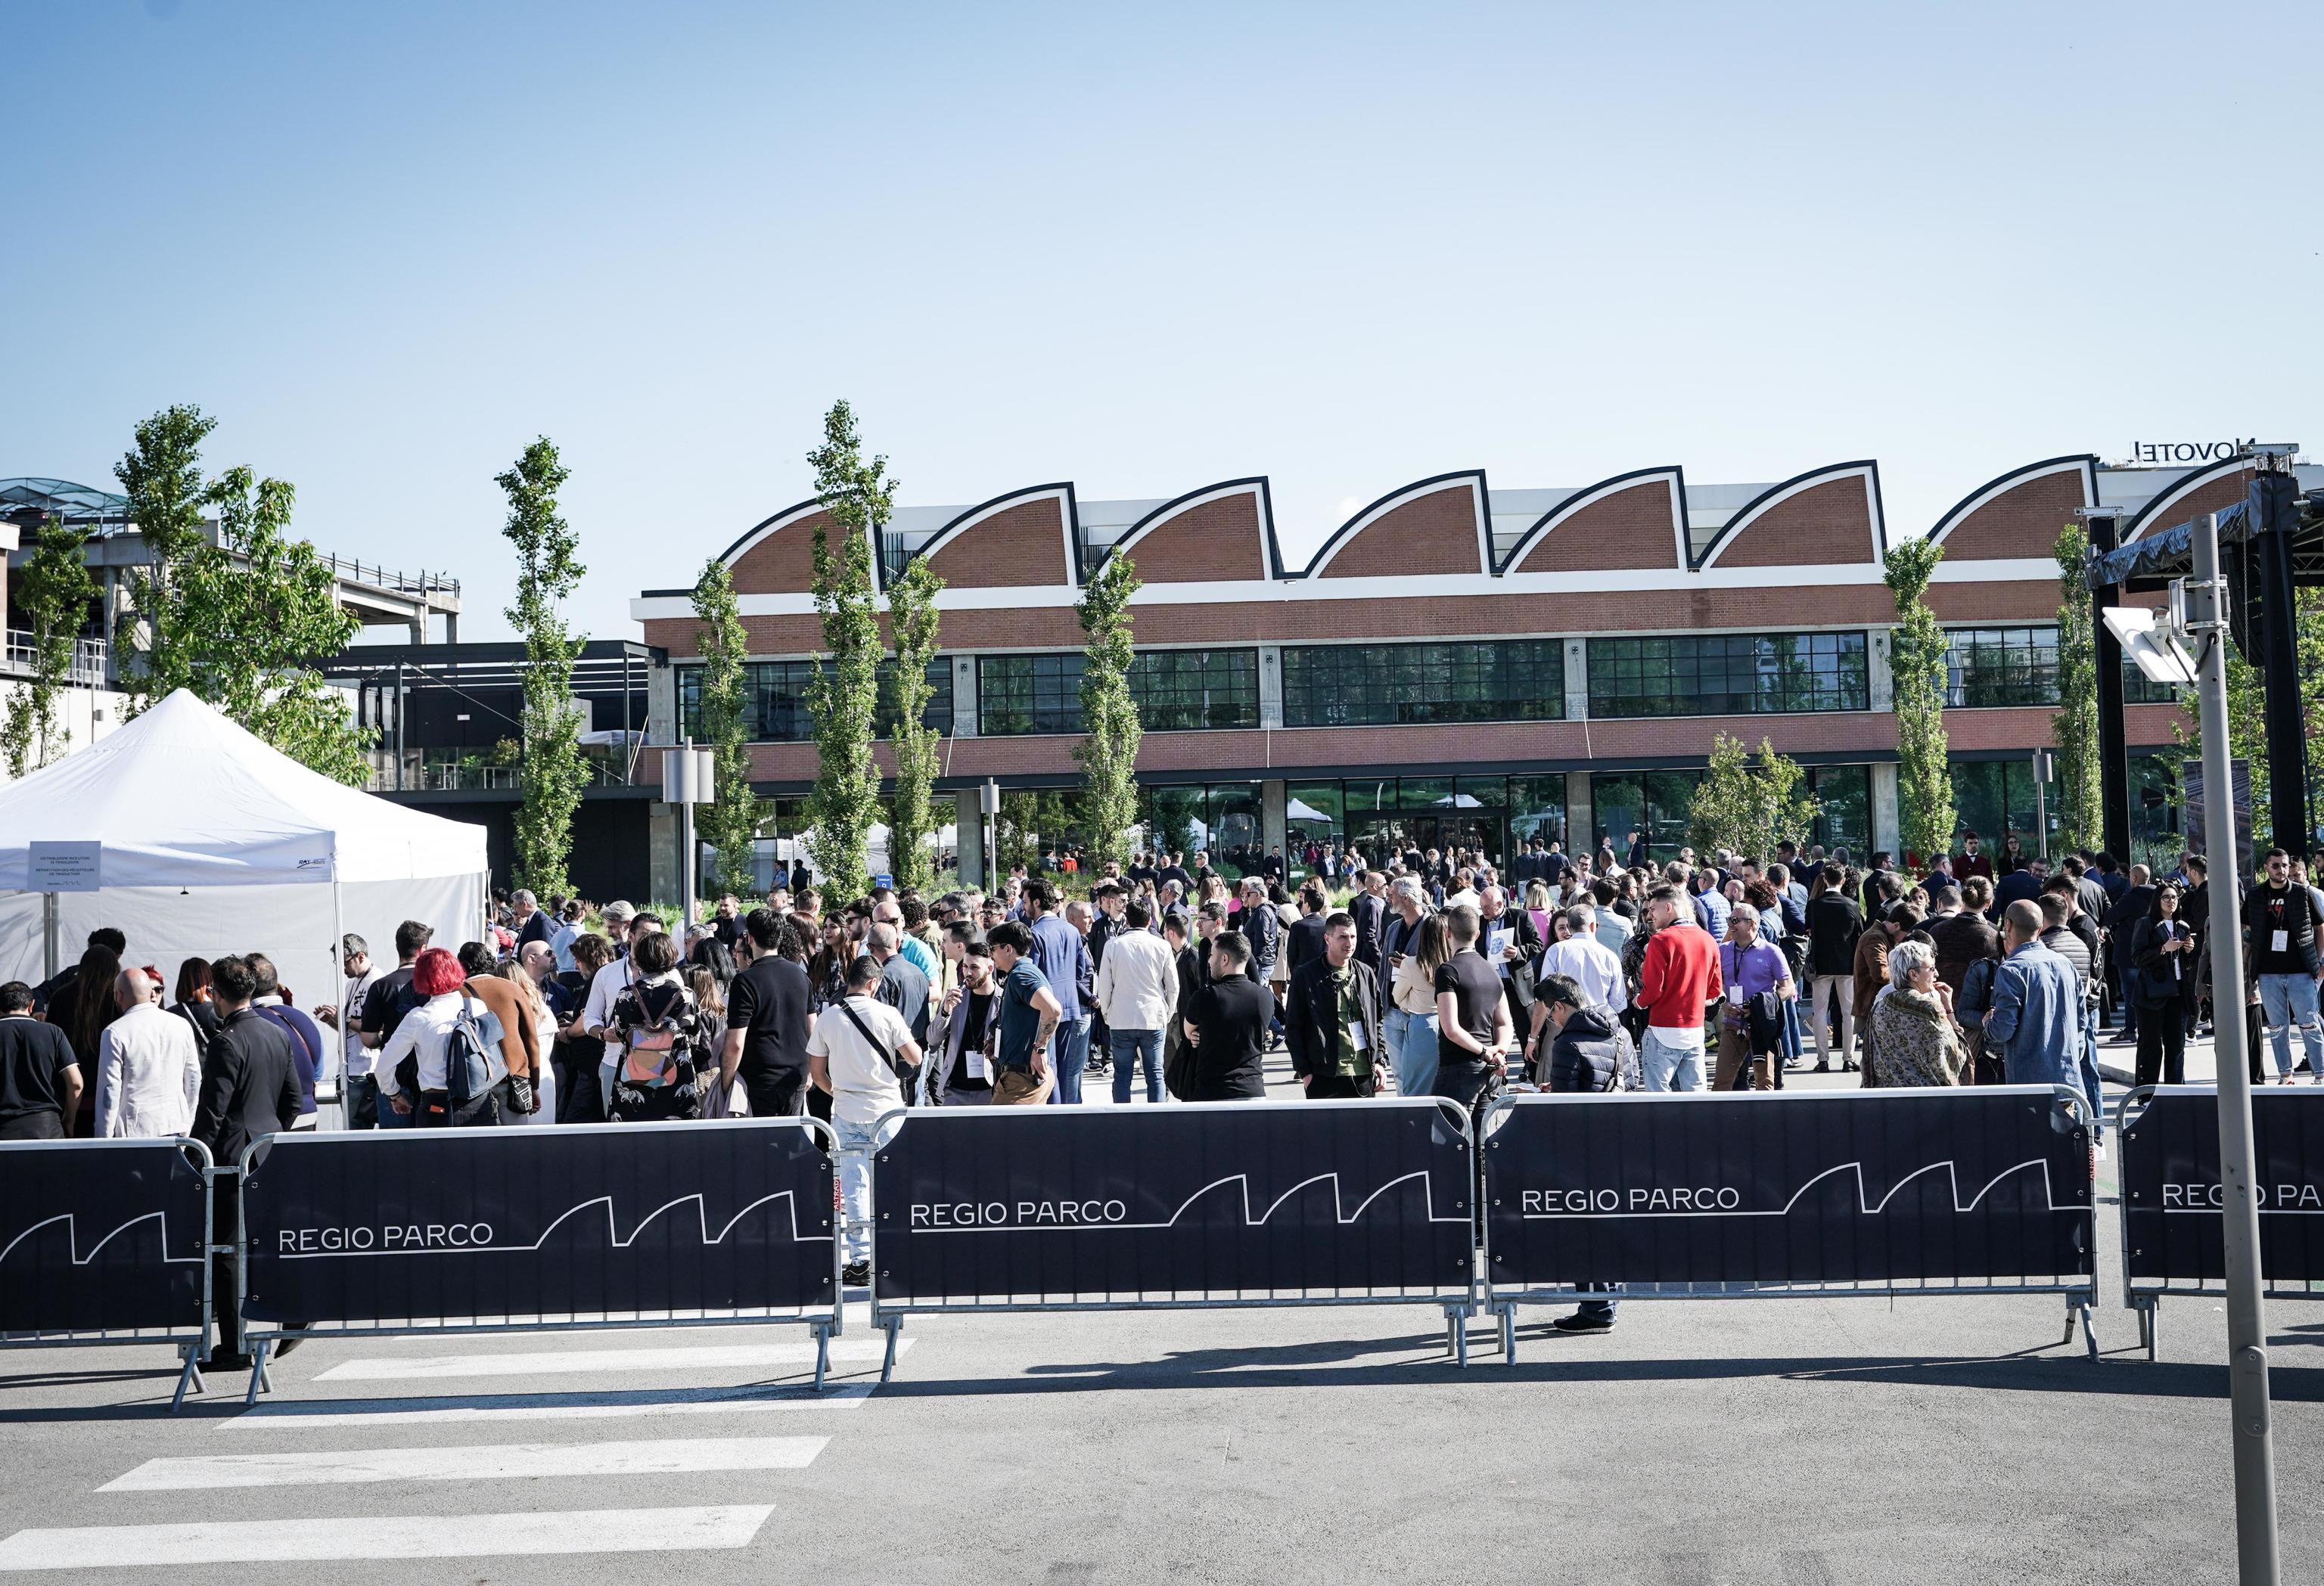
(1631, 528)
(1219, 539)
(2023, 520)
(1827, 522)
(1023, 545)
(1432, 533)
(784, 561)
(2212, 496)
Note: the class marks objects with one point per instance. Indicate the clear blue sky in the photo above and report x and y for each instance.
(1347, 246)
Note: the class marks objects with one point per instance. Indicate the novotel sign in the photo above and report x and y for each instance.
(2160, 453)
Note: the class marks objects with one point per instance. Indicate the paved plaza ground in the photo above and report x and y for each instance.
(1789, 1442)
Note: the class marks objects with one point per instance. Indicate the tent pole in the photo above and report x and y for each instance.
(339, 979)
(49, 936)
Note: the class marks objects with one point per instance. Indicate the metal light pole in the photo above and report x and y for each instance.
(2254, 1454)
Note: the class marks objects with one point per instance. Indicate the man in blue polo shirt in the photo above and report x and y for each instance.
(1029, 1011)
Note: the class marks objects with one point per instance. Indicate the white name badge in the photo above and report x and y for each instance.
(1364, 1039)
(975, 1063)
(2280, 941)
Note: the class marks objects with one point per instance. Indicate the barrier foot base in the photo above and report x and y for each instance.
(191, 1377)
(1456, 1333)
(2149, 1327)
(893, 1326)
(259, 1380)
(822, 1355)
(2078, 1310)
(1508, 1335)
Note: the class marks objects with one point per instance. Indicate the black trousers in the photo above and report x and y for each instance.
(776, 1094)
(1330, 1087)
(2162, 1043)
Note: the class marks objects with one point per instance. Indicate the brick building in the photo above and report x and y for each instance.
(1463, 663)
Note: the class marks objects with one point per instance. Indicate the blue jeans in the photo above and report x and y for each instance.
(359, 1099)
(857, 1141)
(2090, 1073)
(1667, 1067)
(1142, 1048)
(1411, 1042)
(1598, 1310)
(1069, 1054)
(2286, 1000)
(388, 1118)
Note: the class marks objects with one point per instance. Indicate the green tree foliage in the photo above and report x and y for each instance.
(1916, 657)
(912, 622)
(1750, 804)
(1033, 821)
(162, 475)
(52, 590)
(2081, 821)
(729, 823)
(1108, 750)
(1168, 817)
(252, 613)
(858, 499)
(552, 772)
(2248, 713)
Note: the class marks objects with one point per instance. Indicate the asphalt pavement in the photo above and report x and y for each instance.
(1784, 1442)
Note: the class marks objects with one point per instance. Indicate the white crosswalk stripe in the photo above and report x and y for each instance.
(541, 1406)
(664, 1358)
(462, 1462)
(394, 1536)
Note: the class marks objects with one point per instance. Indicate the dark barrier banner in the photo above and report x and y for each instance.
(1823, 1188)
(1302, 1200)
(2170, 1194)
(100, 1235)
(491, 1222)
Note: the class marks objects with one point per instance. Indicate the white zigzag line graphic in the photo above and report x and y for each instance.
(1951, 1172)
(1249, 1221)
(73, 1231)
(702, 1222)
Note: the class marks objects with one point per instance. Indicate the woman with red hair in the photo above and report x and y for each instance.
(416, 1053)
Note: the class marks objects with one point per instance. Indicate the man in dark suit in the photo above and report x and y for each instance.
(1512, 944)
(1304, 942)
(1331, 1019)
(1370, 911)
(249, 1088)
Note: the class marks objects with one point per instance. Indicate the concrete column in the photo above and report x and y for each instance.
(1270, 685)
(963, 710)
(1272, 824)
(661, 848)
(1881, 676)
(970, 820)
(1578, 836)
(1577, 695)
(1887, 828)
(661, 716)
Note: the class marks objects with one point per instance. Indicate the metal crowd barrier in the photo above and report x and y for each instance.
(1985, 1190)
(79, 1266)
(1206, 1206)
(595, 1227)
(2173, 1234)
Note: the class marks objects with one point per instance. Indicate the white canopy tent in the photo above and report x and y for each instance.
(196, 839)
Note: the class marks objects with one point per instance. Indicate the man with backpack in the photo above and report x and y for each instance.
(860, 1049)
(1588, 1051)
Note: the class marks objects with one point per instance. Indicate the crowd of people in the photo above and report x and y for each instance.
(1432, 974)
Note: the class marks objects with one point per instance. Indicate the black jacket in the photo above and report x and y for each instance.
(1232, 1017)
(2152, 984)
(1303, 944)
(1371, 914)
(1518, 984)
(1262, 928)
(249, 1085)
(1310, 1008)
(1834, 922)
(1590, 1054)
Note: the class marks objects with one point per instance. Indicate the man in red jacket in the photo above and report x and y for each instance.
(1679, 978)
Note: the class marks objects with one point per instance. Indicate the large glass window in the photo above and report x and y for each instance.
(1536, 812)
(1312, 812)
(1727, 674)
(1844, 792)
(1373, 685)
(1176, 691)
(1996, 799)
(1652, 804)
(774, 709)
(2156, 797)
(1987, 667)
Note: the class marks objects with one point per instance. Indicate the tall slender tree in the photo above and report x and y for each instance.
(252, 613)
(551, 770)
(2081, 818)
(730, 825)
(53, 591)
(162, 475)
(1751, 805)
(1110, 729)
(912, 625)
(1916, 657)
(858, 499)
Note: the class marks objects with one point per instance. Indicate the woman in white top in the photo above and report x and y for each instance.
(413, 1057)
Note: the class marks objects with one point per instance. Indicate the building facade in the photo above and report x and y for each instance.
(1460, 663)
